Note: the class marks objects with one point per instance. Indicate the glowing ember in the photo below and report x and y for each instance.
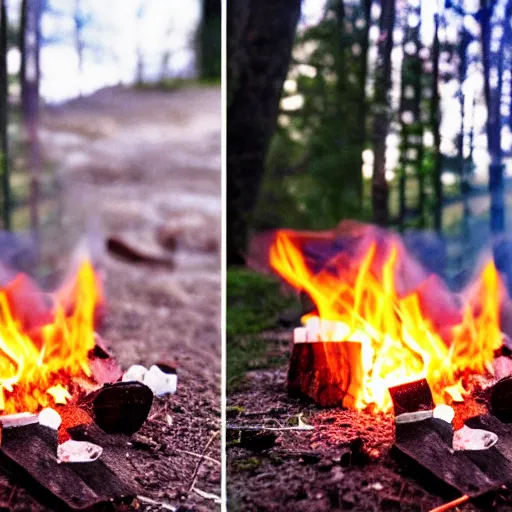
(38, 365)
(357, 299)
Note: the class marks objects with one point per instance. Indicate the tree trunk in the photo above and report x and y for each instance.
(493, 100)
(79, 44)
(140, 54)
(435, 121)
(260, 40)
(4, 118)
(381, 119)
(362, 103)
(30, 39)
(210, 40)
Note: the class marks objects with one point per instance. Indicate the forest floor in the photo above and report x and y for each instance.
(345, 462)
(130, 163)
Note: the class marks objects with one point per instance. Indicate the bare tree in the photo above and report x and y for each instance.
(380, 190)
(4, 117)
(494, 54)
(210, 40)
(79, 22)
(140, 53)
(435, 121)
(30, 41)
(260, 39)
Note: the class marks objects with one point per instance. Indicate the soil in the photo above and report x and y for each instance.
(130, 163)
(345, 463)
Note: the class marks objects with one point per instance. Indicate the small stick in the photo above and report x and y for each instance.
(262, 427)
(205, 457)
(196, 471)
(149, 501)
(207, 495)
(451, 504)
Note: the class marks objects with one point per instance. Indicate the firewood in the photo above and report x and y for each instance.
(30, 453)
(429, 444)
(500, 400)
(329, 373)
(412, 397)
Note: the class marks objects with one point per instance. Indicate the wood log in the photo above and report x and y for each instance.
(473, 473)
(500, 400)
(412, 397)
(428, 444)
(329, 373)
(30, 453)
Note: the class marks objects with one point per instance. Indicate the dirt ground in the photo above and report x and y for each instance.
(346, 462)
(128, 164)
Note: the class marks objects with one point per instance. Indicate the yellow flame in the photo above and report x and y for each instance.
(399, 343)
(36, 373)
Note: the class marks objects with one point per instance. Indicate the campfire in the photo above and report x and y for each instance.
(382, 334)
(62, 394)
(380, 321)
(45, 341)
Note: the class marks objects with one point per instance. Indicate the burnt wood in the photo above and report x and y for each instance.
(474, 473)
(30, 453)
(119, 408)
(412, 397)
(329, 373)
(500, 400)
(428, 443)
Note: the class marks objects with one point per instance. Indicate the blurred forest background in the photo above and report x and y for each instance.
(55, 51)
(393, 111)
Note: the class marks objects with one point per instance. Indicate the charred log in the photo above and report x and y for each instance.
(29, 453)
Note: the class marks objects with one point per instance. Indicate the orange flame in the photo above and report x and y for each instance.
(37, 367)
(399, 343)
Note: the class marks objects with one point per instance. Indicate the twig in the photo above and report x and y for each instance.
(205, 457)
(196, 471)
(276, 410)
(262, 427)
(451, 504)
(11, 496)
(149, 501)
(207, 495)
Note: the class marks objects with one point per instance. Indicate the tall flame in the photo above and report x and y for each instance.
(399, 342)
(37, 367)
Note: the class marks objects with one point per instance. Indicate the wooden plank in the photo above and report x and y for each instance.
(502, 430)
(33, 450)
(428, 443)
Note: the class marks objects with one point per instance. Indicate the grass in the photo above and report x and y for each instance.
(254, 302)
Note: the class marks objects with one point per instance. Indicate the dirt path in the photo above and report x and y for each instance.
(130, 162)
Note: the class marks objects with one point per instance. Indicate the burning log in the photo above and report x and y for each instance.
(30, 453)
(329, 373)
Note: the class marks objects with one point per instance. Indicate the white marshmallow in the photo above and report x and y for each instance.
(159, 382)
(136, 373)
(50, 418)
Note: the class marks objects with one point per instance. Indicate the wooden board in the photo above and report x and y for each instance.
(474, 473)
(31, 452)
